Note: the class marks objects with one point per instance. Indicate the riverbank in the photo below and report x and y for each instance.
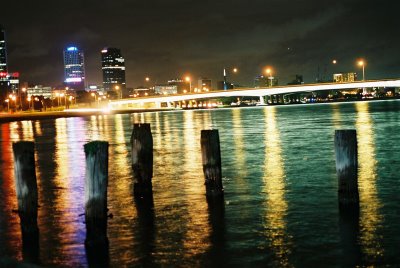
(36, 115)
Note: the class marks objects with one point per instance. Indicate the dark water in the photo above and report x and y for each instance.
(280, 207)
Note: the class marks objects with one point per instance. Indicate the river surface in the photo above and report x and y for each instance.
(280, 207)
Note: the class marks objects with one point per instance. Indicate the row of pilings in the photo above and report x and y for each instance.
(96, 181)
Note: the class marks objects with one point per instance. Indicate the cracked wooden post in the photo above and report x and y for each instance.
(347, 166)
(142, 160)
(211, 157)
(96, 181)
(26, 185)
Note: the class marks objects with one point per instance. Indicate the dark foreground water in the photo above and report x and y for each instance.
(280, 207)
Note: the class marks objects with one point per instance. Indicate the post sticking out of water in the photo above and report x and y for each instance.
(346, 166)
(211, 156)
(96, 181)
(26, 186)
(142, 160)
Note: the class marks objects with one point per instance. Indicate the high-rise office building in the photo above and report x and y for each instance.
(113, 66)
(4, 77)
(74, 68)
(3, 51)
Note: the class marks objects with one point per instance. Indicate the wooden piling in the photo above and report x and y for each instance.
(96, 181)
(211, 157)
(346, 166)
(26, 186)
(142, 160)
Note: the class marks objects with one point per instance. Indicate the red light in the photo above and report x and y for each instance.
(3, 74)
(16, 74)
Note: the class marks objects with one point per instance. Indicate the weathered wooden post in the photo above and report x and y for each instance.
(25, 185)
(142, 160)
(96, 181)
(211, 157)
(346, 166)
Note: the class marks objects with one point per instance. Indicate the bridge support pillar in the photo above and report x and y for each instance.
(158, 104)
(262, 101)
(168, 104)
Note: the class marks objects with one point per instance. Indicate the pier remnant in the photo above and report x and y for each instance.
(26, 186)
(346, 166)
(142, 160)
(96, 181)
(211, 157)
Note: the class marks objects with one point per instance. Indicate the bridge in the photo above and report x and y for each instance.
(155, 101)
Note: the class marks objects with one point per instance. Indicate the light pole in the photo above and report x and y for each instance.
(8, 104)
(268, 71)
(187, 79)
(58, 98)
(119, 92)
(362, 64)
(95, 99)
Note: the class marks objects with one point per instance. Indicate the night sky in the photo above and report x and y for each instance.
(169, 39)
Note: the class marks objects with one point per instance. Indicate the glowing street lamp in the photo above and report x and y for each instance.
(268, 71)
(187, 79)
(147, 79)
(8, 104)
(361, 63)
(29, 102)
(118, 91)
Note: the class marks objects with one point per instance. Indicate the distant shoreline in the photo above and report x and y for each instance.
(23, 116)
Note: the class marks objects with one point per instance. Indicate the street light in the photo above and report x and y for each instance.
(362, 64)
(58, 98)
(8, 104)
(187, 79)
(118, 92)
(29, 102)
(268, 71)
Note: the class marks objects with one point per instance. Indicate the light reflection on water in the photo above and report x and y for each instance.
(274, 187)
(262, 220)
(370, 218)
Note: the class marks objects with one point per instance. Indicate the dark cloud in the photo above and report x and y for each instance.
(166, 39)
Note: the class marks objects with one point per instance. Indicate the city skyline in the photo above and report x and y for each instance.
(177, 39)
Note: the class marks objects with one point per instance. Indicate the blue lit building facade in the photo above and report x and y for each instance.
(74, 68)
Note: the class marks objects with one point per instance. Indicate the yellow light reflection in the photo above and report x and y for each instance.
(197, 229)
(336, 117)
(119, 156)
(370, 218)
(11, 230)
(38, 128)
(274, 188)
(27, 131)
(239, 151)
(15, 134)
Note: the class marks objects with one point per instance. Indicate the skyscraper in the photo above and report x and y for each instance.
(74, 68)
(113, 66)
(3, 51)
(4, 81)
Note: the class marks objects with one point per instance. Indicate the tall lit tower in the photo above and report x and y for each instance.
(74, 68)
(3, 51)
(113, 66)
